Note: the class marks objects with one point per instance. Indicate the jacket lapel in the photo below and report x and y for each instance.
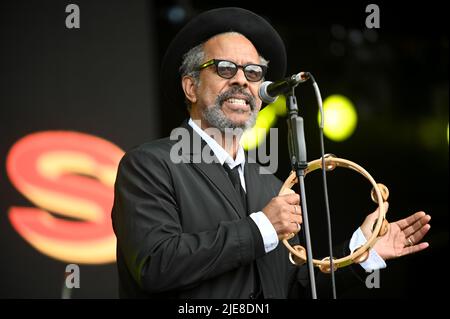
(252, 182)
(213, 171)
(217, 175)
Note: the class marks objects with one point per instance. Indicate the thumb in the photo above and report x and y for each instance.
(371, 219)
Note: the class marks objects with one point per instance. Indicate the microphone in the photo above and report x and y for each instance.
(269, 91)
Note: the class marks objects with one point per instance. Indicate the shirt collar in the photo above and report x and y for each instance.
(218, 150)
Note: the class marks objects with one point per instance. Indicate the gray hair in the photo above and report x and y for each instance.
(189, 67)
(194, 57)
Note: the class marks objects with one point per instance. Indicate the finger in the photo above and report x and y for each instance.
(295, 218)
(295, 228)
(414, 249)
(293, 199)
(418, 224)
(297, 210)
(418, 235)
(406, 222)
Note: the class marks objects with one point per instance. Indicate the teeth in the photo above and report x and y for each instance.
(237, 101)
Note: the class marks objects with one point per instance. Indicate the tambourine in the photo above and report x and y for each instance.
(379, 194)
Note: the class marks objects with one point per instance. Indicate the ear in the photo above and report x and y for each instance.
(189, 88)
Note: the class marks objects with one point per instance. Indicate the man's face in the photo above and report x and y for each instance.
(230, 102)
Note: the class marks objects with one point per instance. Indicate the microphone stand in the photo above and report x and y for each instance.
(297, 153)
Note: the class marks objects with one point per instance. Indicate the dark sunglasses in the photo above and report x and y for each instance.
(227, 69)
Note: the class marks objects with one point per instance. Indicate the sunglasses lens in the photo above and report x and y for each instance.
(253, 72)
(226, 69)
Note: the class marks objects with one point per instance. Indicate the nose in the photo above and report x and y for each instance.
(239, 78)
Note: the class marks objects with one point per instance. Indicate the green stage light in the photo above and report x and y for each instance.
(340, 118)
(267, 117)
(279, 106)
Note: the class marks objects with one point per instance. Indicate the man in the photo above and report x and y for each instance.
(189, 227)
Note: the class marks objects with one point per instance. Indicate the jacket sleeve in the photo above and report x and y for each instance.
(158, 254)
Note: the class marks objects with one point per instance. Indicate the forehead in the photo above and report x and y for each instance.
(233, 46)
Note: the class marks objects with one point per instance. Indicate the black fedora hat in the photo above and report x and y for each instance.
(209, 23)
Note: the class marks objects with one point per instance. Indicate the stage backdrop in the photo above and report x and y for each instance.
(73, 99)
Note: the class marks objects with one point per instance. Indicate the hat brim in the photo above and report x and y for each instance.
(209, 23)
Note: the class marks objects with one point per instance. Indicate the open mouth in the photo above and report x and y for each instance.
(238, 104)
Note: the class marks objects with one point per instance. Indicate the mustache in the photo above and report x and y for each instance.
(234, 91)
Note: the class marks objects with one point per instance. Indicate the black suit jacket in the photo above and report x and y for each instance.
(182, 231)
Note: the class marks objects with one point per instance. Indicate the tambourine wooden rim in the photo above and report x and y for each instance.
(379, 194)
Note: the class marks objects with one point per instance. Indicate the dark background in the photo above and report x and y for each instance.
(101, 79)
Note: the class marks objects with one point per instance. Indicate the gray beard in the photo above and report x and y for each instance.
(216, 118)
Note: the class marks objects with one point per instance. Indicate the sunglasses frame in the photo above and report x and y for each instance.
(216, 62)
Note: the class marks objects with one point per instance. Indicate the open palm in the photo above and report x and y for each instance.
(403, 236)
